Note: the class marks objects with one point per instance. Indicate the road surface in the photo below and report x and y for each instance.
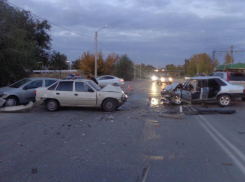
(132, 144)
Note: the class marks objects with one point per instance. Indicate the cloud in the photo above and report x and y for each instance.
(159, 31)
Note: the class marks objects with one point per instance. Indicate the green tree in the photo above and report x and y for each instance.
(76, 64)
(58, 61)
(125, 68)
(171, 67)
(24, 42)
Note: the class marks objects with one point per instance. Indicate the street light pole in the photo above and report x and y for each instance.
(95, 66)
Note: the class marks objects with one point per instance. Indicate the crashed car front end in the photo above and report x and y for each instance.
(172, 93)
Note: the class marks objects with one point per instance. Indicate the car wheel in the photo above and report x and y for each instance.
(177, 100)
(11, 101)
(52, 105)
(243, 98)
(109, 105)
(224, 100)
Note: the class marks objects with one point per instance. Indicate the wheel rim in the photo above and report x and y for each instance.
(10, 102)
(109, 105)
(224, 100)
(51, 105)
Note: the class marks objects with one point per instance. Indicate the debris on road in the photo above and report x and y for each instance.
(110, 117)
(173, 116)
(34, 170)
(21, 108)
(241, 132)
(227, 164)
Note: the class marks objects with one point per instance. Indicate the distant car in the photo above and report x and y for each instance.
(204, 89)
(108, 79)
(22, 92)
(161, 78)
(81, 93)
(187, 77)
(76, 78)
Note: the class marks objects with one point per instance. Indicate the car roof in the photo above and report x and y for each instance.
(204, 77)
(37, 78)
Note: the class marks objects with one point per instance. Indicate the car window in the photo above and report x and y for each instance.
(94, 85)
(19, 83)
(102, 78)
(109, 77)
(237, 76)
(220, 82)
(53, 86)
(49, 82)
(221, 75)
(81, 87)
(34, 84)
(65, 86)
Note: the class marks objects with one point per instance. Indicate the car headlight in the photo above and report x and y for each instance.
(153, 77)
(162, 79)
(170, 79)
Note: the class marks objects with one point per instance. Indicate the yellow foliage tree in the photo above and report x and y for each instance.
(109, 64)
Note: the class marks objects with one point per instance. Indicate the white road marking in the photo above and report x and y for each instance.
(212, 131)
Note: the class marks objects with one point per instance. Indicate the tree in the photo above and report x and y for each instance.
(76, 64)
(228, 59)
(58, 61)
(109, 64)
(201, 63)
(171, 67)
(88, 62)
(125, 68)
(24, 42)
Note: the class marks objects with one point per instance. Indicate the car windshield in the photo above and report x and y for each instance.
(19, 83)
(94, 85)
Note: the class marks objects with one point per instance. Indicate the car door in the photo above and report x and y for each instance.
(186, 91)
(28, 92)
(84, 95)
(64, 93)
(204, 89)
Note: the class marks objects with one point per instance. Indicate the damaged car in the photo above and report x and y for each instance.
(81, 93)
(203, 89)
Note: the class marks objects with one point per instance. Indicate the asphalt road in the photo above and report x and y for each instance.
(132, 144)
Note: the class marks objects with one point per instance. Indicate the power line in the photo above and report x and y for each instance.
(49, 21)
(104, 46)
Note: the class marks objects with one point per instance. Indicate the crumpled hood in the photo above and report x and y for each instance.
(171, 87)
(111, 88)
(4, 89)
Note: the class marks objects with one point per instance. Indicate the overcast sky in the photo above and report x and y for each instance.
(158, 32)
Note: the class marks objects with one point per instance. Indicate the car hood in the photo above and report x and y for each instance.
(171, 87)
(111, 88)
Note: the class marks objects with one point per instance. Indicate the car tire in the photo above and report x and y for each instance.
(52, 105)
(109, 105)
(224, 100)
(11, 101)
(243, 98)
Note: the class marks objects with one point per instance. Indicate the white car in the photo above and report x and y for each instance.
(108, 79)
(187, 77)
(81, 93)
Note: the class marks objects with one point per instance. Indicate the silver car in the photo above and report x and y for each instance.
(204, 89)
(23, 91)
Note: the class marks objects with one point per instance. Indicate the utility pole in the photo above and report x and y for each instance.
(232, 51)
(95, 64)
(231, 54)
(197, 63)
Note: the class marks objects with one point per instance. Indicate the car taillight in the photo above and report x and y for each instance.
(35, 92)
(121, 80)
(228, 79)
